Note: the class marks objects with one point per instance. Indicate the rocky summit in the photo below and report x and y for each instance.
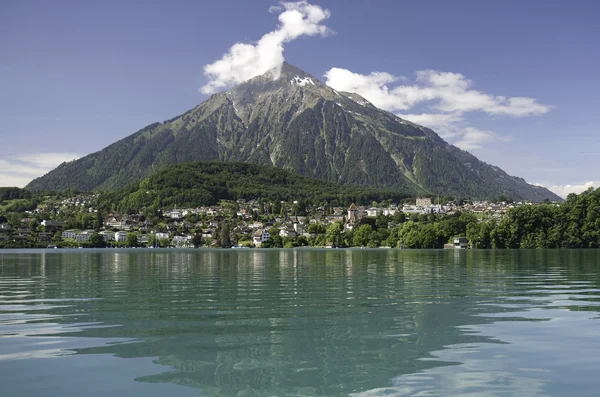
(289, 119)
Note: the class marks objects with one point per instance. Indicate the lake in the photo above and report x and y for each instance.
(302, 322)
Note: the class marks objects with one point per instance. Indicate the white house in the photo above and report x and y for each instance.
(287, 232)
(260, 236)
(390, 211)
(121, 236)
(373, 211)
(182, 241)
(256, 225)
(68, 234)
(412, 209)
(84, 236)
(161, 235)
(114, 222)
(50, 223)
(107, 235)
(175, 214)
(434, 209)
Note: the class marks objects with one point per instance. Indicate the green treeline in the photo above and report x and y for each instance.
(208, 183)
(572, 224)
(397, 231)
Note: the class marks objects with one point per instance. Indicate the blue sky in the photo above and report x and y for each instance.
(513, 82)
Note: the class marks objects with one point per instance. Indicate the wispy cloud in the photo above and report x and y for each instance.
(472, 138)
(20, 170)
(244, 61)
(448, 97)
(565, 190)
(447, 125)
(450, 92)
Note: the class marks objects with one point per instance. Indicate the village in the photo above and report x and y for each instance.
(75, 221)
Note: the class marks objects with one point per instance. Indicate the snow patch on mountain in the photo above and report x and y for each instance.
(302, 81)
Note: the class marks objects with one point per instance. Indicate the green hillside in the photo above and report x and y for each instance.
(207, 183)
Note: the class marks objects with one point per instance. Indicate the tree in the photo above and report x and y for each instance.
(223, 235)
(197, 240)
(98, 222)
(374, 239)
(361, 236)
(97, 241)
(131, 240)
(316, 228)
(34, 224)
(164, 242)
(334, 234)
(381, 221)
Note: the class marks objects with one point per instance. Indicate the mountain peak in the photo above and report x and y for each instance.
(284, 76)
(283, 79)
(294, 75)
(288, 118)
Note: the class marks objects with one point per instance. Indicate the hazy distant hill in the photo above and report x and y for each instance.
(297, 123)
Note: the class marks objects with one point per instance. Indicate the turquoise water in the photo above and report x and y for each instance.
(299, 323)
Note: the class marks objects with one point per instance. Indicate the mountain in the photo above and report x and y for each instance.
(209, 182)
(289, 119)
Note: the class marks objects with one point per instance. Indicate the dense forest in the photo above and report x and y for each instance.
(572, 224)
(207, 183)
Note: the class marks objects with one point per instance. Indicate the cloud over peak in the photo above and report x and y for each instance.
(450, 92)
(436, 99)
(244, 61)
(447, 97)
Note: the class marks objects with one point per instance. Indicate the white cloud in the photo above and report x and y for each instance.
(565, 190)
(452, 126)
(244, 61)
(448, 97)
(20, 170)
(472, 138)
(538, 184)
(373, 86)
(447, 125)
(451, 92)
